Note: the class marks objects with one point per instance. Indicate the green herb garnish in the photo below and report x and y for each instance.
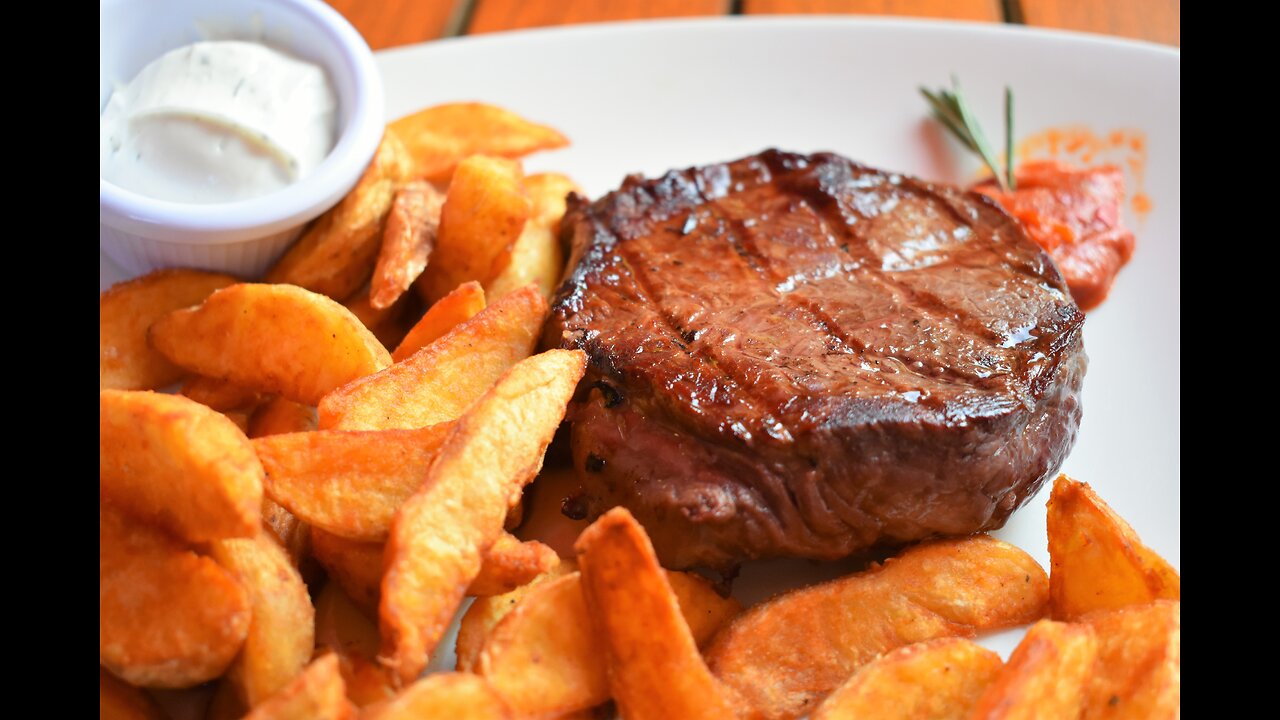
(951, 109)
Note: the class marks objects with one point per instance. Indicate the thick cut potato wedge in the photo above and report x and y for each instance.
(407, 241)
(118, 700)
(276, 339)
(292, 534)
(348, 483)
(655, 670)
(279, 415)
(785, 655)
(443, 696)
(536, 256)
(450, 311)
(1138, 673)
(510, 563)
(933, 680)
(125, 313)
(316, 693)
(443, 379)
(440, 137)
(166, 616)
(282, 634)
(177, 463)
(336, 253)
(353, 636)
(1097, 561)
(538, 647)
(220, 395)
(440, 535)
(486, 611)
(1046, 676)
(484, 212)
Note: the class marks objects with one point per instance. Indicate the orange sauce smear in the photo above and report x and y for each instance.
(1076, 143)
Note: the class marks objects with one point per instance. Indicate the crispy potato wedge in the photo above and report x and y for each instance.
(336, 253)
(282, 634)
(352, 635)
(486, 611)
(539, 649)
(125, 313)
(316, 693)
(536, 256)
(439, 537)
(1138, 673)
(280, 415)
(175, 462)
(655, 670)
(450, 311)
(118, 700)
(292, 534)
(348, 483)
(1046, 676)
(166, 616)
(407, 241)
(276, 339)
(938, 679)
(1097, 561)
(785, 655)
(220, 395)
(440, 137)
(483, 214)
(443, 379)
(510, 563)
(443, 696)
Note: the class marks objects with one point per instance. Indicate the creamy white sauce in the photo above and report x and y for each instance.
(218, 122)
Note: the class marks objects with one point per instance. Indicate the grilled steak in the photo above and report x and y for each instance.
(801, 356)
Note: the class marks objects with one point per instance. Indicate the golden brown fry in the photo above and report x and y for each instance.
(348, 483)
(450, 311)
(483, 214)
(175, 462)
(279, 415)
(933, 680)
(486, 611)
(336, 253)
(536, 256)
(292, 534)
(510, 563)
(785, 655)
(316, 693)
(1138, 673)
(440, 381)
(1097, 561)
(439, 536)
(347, 631)
(443, 696)
(125, 312)
(275, 339)
(407, 241)
(166, 616)
(220, 395)
(1046, 676)
(440, 137)
(655, 670)
(282, 634)
(118, 700)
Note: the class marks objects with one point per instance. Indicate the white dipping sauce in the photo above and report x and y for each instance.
(217, 122)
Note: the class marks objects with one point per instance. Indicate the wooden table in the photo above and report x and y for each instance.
(387, 23)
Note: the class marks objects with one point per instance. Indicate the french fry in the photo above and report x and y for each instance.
(484, 212)
(938, 679)
(785, 655)
(537, 645)
(1046, 676)
(348, 632)
(440, 137)
(118, 700)
(536, 256)
(125, 312)
(450, 311)
(1138, 673)
(443, 696)
(510, 563)
(220, 395)
(175, 462)
(280, 415)
(443, 379)
(439, 536)
(486, 611)
(407, 241)
(316, 693)
(166, 616)
(1097, 561)
(276, 339)
(348, 483)
(336, 253)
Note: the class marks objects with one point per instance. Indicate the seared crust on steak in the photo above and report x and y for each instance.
(801, 356)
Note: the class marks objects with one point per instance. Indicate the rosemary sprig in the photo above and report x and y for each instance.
(951, 109)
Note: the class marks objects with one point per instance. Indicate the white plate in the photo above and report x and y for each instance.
(647, 97)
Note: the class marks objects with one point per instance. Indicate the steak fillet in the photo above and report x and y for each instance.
(801, 356)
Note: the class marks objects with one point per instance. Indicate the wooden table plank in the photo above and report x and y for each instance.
(387, 23)
(496, 15)
(951, 9)
(1155, 20)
